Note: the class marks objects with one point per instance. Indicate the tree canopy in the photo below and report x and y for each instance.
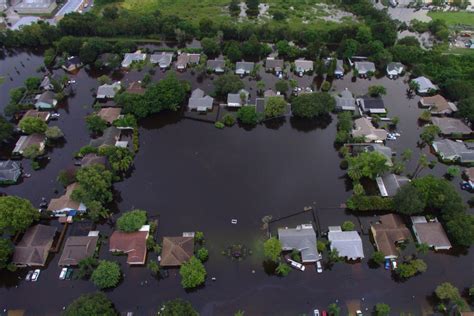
(248, 115)
(367, 164)
(192, 273)
(106, 275)
(16, 214)
(177, 307)
(227, 83)
(95, 124)
(6, 129)
(6, 250)
(92, 304)
(272, 249)
(132, 221)
(311, 105)
(32, 125)
(276, 106)
(95, 184)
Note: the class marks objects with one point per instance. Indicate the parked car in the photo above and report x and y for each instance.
(55, 115)
(319, 267)
(387, 264)
(324, 313)
(35, 275)
(296, 265)
(69, 273)
(465, 185)
(62, 274)
(359, 313)
(316, 312)
(28, 275)
(394, 264)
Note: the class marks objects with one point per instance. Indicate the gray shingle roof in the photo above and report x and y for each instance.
(363, 67)
(199, 101)
(425, 84)
(108, 91)
(274, 64)
(389, 183)
(302, 238)
(345, 101)
(109, 138)
(453, 150)
(347, 243)
(163, 59)
(234, 98)
(10, 171)
(303, 65)
(243, 67)
(217, 65)
(449, 125)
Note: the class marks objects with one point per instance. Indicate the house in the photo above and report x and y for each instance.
(64, 204)
(469, 173)
(27, 141)
(46, 101)
(301, 238)
(44, 116)
(450, 150)
(238, 99)
(10, 171)
(390, 183)
(372, 105)
(109, 114)
(176, 251)
(35, 7)
(364, 68)
(345, 101)
(303, 66)
(72, 64)
(388, 233)
(451, 126)
(381, 149)
(110, 137)
(199, 101)
(394, 70)
(49, 80)
(133, 244)
(364, 128)
(274, 65)
(185, 60)
(339, 71)
(216, 65)
(93, 159)
(130, 58)
(347, 243)
(77, 248)
(438, 105)
(163, 60)
(108, 91)
(244, 67)
(424, 85)
(135, 87)
(33, 249)
(430, 232)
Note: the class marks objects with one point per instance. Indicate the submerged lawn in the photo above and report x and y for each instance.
(454, 18)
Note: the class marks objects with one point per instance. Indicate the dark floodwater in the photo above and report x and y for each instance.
(196, 177)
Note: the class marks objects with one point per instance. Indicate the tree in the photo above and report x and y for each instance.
(312, 105)
(32, 83)
(283, 269)
(6, 129)
(32, 152)
(429, 133)
(452, 172)
(425, 116)
(376, 91)
(367, 164)
(446, 291)
(466, 108)
(348, 48)
(248, 115)
(378, 257)
(95, 124)
(202, 254)
(276, 106)
(199, 237)
(16, 214)
(382, 309)
(233, 52)
(6, 250)
(132, 221)
(86, 267)
(334, 310)
(154, 267)
(33, 125)
(423, 248)
(272, 249)
(234, 7)
(282, 86)
(120, 159)
(228, 120)
(252, 7)
(54, 133)
(333, 256)
(177, 307)
(192, 273)
(348, 226)
(95, 183)
(106, 275)
(91, 304)
(227, 83)
(408, 269)
(168, 94)
(413, 86)
(461, 229)
(210, 46)
(408, 200)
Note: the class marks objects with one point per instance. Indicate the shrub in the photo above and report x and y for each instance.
(132, 221)
(248, 115)
(348, 226)
(106, 275)
(192, 273)
(219, 125)
(202, 254)
(228, 120)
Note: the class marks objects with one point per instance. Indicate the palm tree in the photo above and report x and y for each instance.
(413, 86)
(422, 164)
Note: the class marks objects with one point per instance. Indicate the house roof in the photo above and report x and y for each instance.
(364, 128)
(302, 238)
(387, 232)
(108, 90)
(304, 65)
(245, 66)
(163, 59)
(372, 105)
(431, 233)
(345, 100)
(9, 170)
(109, 138)
(185, 59)
(34, 247)
(43, 115)
(234, 98)
(438, 104)
(133, 244)
(129, 58)
(92, 159)
(389, 183)
(470, 173)
(272, 63)
(65, 201)
(425, 84)
(452, 150)
(449, 125)
(395, 67)
(47, 97)
(77, 248)
(135, 87)
(364, 67)
(109, 114)
(28, 140)
(381, 149)
(176, 250)
(347, 243)
(339, 67)
(216, 64)
(199, 100)
(73, 61)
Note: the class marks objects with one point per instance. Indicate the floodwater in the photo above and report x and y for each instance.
(193, 176)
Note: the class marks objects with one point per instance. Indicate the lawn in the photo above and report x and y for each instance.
(454, 18)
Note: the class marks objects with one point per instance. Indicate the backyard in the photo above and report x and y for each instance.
(454, 18)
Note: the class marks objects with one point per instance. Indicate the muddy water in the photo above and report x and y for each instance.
(195, 177)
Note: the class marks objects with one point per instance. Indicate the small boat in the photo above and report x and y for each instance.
(26, 175)
(233, 221)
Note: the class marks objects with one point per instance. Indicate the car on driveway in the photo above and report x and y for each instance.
(394, 264)
(387, 264)
(28, 275)
(319, 267)
(69, 273)
(62, 274)
(316, 312)
(35, 275)
(359, 313)
(296, 265)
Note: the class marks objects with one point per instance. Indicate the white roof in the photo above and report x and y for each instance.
(347, 243)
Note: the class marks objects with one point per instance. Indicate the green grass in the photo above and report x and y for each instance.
(454, 18)
(2, 79)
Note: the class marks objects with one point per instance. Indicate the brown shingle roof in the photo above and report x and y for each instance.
(109, 114)
(34, 246)
(390, 230)
(176, 250)
(470, 173)
(39, 114)
(65, 201)
(77, 248)
(432, 234)
(135, 88)
(93, 159)
(133, 244)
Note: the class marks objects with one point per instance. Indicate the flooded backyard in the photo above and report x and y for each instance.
(194, 177)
